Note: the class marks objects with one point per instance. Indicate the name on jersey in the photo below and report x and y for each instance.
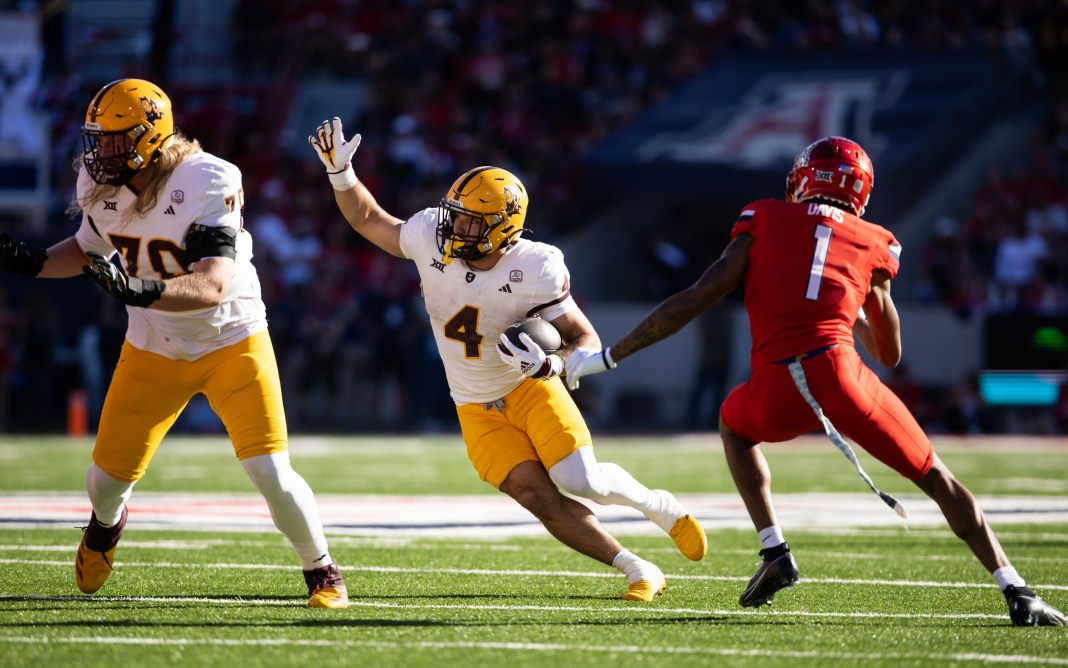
(826, 211)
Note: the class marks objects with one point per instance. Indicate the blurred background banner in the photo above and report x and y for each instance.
(729, 133)
(23, 132)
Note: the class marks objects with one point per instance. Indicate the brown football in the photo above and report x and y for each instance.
(540, 331)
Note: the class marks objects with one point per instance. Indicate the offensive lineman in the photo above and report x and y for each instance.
(809, 264)
(523, 432)
(196, 321)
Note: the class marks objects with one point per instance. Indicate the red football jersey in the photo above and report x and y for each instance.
(809, 272)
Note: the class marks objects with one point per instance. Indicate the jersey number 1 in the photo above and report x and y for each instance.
(819, 261)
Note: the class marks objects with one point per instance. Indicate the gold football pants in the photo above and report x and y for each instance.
(148, 392)
(538, 422)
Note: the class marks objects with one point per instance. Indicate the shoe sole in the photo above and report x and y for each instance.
(642, 590)
(329, 597)
(690, 538)
(749, 599)
(784, 583)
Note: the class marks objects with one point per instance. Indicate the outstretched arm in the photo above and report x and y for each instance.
(674, 312)
(725, 274)
(356, 202)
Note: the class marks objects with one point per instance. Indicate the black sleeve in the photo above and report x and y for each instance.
(202, 241)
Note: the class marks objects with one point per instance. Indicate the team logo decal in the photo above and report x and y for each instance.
(515, 276)
(824, 176)
(177, 196)
(512, 200)
(438, 264)
(151, 109)
(111, 206)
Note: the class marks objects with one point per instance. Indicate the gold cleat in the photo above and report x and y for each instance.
(690, 538)
(644, 590)
(326, 588)
(96, 553)
(92, 568)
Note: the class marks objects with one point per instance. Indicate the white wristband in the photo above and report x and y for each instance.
(556, 365)
(343, 180)
(609, 363)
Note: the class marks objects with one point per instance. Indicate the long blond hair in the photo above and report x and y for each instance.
(170, 156)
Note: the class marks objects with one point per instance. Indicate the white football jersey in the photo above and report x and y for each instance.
(203, 189)
(469, 309)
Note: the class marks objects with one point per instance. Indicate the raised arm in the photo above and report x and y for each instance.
(357, 204)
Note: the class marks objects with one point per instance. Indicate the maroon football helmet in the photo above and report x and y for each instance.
(832, 168)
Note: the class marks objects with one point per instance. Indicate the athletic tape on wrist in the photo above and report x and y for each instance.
(343, 180)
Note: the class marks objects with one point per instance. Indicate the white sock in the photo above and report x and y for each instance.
(771, 537)
(636, 568)
(1006, 576)
(106, 494)
(292, 506)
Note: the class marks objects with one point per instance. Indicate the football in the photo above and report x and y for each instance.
(540, 331)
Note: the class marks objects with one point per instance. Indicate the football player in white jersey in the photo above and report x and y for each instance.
(196, 321)
(524, 434)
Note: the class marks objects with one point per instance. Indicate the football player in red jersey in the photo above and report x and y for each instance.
(817, 275)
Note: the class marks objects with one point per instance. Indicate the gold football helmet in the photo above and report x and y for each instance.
(127, 124)
(491, 195)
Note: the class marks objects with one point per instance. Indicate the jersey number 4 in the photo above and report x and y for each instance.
(463, 327)
(819, 262)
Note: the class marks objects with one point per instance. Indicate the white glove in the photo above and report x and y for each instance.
(532, 362)
(336, 153)
(586, 362)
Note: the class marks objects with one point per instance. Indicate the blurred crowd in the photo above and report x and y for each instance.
(530, 87)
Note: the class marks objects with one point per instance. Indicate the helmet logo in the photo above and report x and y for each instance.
(511, 200)
(824, 176)
(151, 109)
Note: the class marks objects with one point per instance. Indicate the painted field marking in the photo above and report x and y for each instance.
(119, 565)
(496, 516)
(544, 647)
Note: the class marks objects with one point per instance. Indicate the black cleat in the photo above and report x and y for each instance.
(778, 570)
(1026, 609)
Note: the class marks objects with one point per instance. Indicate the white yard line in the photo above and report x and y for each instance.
(487, 517)
(120, 564)
(547, 647)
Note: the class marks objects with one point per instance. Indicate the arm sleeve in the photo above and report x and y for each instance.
(553, 297)
(418, 235)
(750, 217)
(887, 255)
(222, 198)
(88, 236)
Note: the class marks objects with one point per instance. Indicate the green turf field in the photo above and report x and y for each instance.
(879, 596)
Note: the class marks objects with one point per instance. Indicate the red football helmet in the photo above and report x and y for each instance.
(833, 168)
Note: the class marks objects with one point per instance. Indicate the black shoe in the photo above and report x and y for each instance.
(778, 570)
(1026, 609)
